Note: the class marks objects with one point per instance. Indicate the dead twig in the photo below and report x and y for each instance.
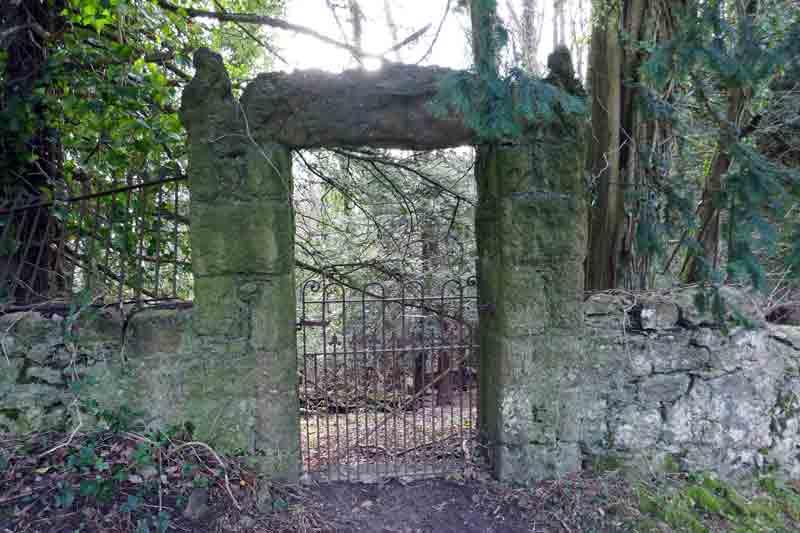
(71, 436)
(214, 454)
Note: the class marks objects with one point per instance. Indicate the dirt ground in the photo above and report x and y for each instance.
(425, 506)
(449, 506)
(124, 482)
(131, 483)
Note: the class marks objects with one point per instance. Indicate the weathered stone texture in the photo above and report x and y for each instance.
(677, 394)
(671, 390)
(386, 108)
(531, 237)
(40, 362)
(242, 381)
(229, 389)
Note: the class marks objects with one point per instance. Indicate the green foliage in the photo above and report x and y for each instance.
(511, 101)
(702, 501)
(720, 51)
(106, 96)
(101, 468)
(495, 105)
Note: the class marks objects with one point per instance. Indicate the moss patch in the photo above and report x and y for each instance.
(702, 503)
(11, 414)
(606, 463)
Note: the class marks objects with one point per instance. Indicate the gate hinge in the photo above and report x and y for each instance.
(487, 308)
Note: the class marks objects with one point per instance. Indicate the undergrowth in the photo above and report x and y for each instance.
(700, 503)
(120, 479)
(117, 480)
(108, 473)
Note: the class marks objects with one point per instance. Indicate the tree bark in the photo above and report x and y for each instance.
(529, 35)
(31, 161)
(607, 216)
(696, 267)
(627, 143)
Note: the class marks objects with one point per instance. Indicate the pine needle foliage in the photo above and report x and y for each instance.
(724, 48)
(497, 105)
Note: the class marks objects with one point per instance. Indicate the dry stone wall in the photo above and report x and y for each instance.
(659, 388)
(51, 365)
(664, 388)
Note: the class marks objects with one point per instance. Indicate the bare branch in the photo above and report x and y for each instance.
(410, 39)
(253, 36)
(424, 177)
(387, 11)
(264, 20)
(436, 36)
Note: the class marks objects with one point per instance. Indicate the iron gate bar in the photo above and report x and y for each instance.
(73, 243)
(391, 300)
(89, 196)
(398, 379)
(390, 350)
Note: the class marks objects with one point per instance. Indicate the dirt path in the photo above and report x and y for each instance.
(421, 507)
(450, 506)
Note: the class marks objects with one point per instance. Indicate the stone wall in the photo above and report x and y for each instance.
(673, 392)
(660, 388)
(41, 364)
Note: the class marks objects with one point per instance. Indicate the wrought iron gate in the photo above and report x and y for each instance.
(388, 378)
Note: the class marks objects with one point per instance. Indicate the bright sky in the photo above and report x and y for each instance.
(452, 49)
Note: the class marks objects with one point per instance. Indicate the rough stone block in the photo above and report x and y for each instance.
(272, 311)
(242, 238)
(663, 388)
(155, 331)
(533, 462)
(277, 421)
(537, 299)
(656, 314)
(218, 309)
(538, 233)
(250, 173)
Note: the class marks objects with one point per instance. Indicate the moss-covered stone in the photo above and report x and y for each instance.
(241, 385)
(153, 331)
(530, 226)
(241, 238)
(606, 463)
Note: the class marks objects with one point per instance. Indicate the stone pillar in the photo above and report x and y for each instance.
(531, 236)
(241, 389)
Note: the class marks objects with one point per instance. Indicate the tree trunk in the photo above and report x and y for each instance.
(696, 268)
(31, 159)
(528, 34)
(627, 144)
(427, 259)
(607, 216)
